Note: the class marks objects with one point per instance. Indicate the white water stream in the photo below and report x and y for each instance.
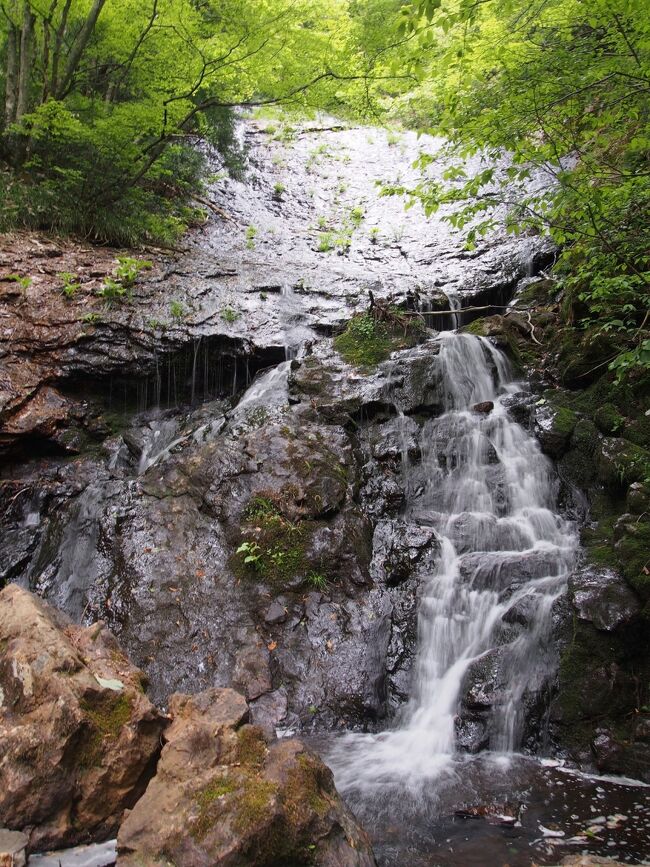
(489, 492)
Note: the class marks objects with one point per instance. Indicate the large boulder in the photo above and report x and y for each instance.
(78, 737)
(225, 796)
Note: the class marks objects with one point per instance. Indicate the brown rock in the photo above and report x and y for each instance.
(485, 407)
(224, 796)
(78, 737)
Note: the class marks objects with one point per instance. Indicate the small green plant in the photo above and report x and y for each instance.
(278, 190)
(263, 296)
(357, 215)
(374, 235)
(322, 222)
(118, 286)
(91, 318)
(342, 187)
(23, 282)
(70, 284)
(252, 554)
(251, 234)
(155, 324)
(325, 242)
(111, 291)
(176, 310)
(317, 581)
(128, 269)
(228, 314)
(393, 138)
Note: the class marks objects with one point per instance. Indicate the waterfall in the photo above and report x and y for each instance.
(489, 492)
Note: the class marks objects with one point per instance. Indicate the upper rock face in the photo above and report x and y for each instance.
(78, 737)
(239, 297)
(224, 796)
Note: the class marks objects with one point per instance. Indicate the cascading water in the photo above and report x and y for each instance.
(487, 489)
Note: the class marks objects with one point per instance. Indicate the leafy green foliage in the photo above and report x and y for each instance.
(561, 89)
(104, 102)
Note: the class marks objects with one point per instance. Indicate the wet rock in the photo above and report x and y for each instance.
(12, 848)
(43, 416)
(269, 710)
(521, 407)
(399, 547)
(223, 794)
(78, 737)
(590, 861)
(601, 596)
(479, 688)
(275, 613)
(484, 408)
(408, 382)
(252, 674)
(472, 735)
(553, 428)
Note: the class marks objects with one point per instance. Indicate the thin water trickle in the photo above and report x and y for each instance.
(489, 492)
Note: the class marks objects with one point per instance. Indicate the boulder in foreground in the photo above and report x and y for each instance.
(79, 739)
(224, 796)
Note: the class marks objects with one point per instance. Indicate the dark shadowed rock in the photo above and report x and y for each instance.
(78, 737)
(225, 795)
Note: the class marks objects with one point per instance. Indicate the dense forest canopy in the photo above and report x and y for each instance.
(106, 100)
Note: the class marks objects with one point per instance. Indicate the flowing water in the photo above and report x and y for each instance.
(489, 492)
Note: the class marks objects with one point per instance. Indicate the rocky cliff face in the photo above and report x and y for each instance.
(259, 539)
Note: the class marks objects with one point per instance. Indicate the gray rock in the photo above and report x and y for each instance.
(95, 855)
(12, 848)
(602, 597)
(275, 613)
(472, 734)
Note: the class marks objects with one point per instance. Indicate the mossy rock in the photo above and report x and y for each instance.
(633, 552)
(620, 463)
(369, 338)
(272, 548)
(578, 465)
(608, 419)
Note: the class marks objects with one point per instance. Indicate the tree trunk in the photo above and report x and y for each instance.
(79, 47)
(26, 51)
(11, 92)
(58, 44)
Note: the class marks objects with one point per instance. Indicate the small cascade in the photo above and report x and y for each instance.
(270, 388)
(489, 492)
(455, 305)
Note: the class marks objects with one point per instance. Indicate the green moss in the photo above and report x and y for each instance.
(608, 419)
(254, 803)
(107, 714)
(565, 421)
(209, 800)
(281, 552)
(364, 343)
(633, 552)
(304, 791)
(251, 746)
(369, 338)
(477, 327)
